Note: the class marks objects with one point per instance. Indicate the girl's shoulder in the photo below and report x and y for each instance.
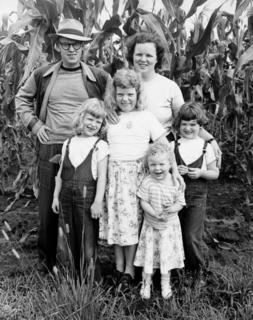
(168, 182)
(102, 144)
(147, 180)
(101, 148)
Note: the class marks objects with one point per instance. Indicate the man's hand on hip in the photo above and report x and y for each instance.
(42, 134)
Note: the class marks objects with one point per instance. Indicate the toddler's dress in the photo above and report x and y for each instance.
(160, 245)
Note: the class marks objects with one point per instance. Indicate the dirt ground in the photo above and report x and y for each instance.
(228, 232)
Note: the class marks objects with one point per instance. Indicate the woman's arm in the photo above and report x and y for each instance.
(208, 137)
(97, 206)
(112, 117)
(205, 134)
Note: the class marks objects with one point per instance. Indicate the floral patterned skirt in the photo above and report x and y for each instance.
(160, 249)
(123, 215)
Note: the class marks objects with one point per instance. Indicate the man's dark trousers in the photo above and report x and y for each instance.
(48, 229)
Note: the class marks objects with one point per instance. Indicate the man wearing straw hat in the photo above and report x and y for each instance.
(59, 90)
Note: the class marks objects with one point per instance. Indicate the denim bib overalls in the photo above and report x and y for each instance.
(77, 195)
(192, 216)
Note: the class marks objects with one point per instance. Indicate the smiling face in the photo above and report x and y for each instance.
(91, 125)
(126, 99)
(71, 52)
(145, 57)
(159, 166)
(189, 129)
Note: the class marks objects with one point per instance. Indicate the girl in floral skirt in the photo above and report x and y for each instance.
(128, 142)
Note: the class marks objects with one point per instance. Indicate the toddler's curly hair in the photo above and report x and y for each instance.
(159, 148)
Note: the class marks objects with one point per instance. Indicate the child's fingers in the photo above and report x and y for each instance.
(95, 215)
(55, 208)
(193, 175)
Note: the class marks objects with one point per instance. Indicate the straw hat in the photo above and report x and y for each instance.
(71, 29)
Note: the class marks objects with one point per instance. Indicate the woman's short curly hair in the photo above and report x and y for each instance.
(145, 37)
(191, 111)
(94, 107)
(127, 78)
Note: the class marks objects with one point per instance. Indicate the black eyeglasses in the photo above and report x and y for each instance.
(76, 45)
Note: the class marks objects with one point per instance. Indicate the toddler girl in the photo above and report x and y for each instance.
(128, 142)
(197, 164)
(80, 182)
(160, 245)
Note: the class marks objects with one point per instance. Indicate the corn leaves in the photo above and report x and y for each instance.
(241, 7)
(245, 58)
(194, 6)
(151, 23)
(170, 8)
(203, 42)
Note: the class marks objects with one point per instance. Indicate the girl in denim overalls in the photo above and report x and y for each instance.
(197, 164)
(80, 183)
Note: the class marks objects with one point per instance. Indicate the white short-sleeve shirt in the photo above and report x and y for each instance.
(129, 138)
(79, 148)
(162, 97)
(191, 149)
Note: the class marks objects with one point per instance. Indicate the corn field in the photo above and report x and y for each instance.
(215, 70)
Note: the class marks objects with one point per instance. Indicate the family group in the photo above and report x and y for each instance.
(135, 160)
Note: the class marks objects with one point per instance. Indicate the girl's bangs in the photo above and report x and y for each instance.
(189, 114)
(189, 117)
(96, 111)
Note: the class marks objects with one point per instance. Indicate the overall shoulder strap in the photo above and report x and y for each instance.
(204, 147)
(95, 144)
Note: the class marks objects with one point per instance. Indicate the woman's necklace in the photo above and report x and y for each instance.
(128, 122)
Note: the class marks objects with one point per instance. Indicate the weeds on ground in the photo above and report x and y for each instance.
(227, 295)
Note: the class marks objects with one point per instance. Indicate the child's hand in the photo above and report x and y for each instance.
(167, 209)
(56, 205)
(96, 209)
(182, 169)
(194, 173)
(163, 217)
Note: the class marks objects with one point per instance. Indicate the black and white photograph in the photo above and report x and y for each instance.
(126, 159)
